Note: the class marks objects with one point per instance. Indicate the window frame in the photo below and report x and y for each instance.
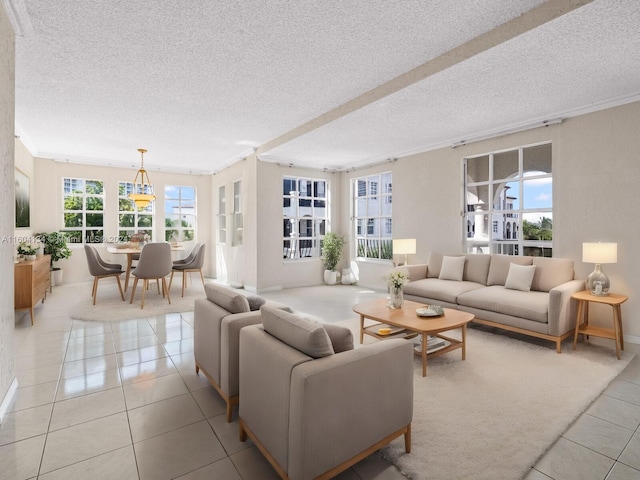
(317, 222)
(366, 237)
(182, 205)
(504, 221)
(83, 229)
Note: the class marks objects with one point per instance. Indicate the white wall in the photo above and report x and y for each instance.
(46, 209)
(7, 216)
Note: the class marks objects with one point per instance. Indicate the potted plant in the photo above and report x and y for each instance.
(28, 251)
(331, 253)
(55, 244)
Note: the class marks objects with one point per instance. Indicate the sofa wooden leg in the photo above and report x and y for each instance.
(243, 433)
(407, 439)
(229, 411)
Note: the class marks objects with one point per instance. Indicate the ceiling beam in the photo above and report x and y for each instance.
(530, 20)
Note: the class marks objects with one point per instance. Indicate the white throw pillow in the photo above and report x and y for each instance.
(452, 268)
(520, 277)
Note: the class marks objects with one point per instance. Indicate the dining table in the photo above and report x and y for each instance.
(130, 251)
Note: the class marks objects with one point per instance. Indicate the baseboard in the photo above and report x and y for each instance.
(8, 398)
(632, 339)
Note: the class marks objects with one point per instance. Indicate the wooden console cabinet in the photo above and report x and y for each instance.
(31, 281)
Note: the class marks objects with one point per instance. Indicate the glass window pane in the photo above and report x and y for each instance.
(320, 189)
(126, 220)
(537, 226)
(73, 220)
(94, 220)
(478, 198)
(72, 202)
(386, 183)
(188, 220)
(94, 187)
(505, 165)
(507, 196)
(538, 193)
(304, 187)
(95, 203)
(478, 169)
(537, 159)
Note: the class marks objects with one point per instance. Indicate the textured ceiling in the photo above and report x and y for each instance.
(202, 83)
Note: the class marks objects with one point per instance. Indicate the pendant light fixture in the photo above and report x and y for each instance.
(140, 194)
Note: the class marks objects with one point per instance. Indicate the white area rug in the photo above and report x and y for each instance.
(110, 307)
(493, 415)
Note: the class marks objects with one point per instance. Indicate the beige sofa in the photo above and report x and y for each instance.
(498, 294)
(312, 404)
(218, 319)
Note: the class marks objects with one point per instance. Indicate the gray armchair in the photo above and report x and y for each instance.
(98, 268)
(315, 407)
(217, 322)
(154, 264)
(192, 263)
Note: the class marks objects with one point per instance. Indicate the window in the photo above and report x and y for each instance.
(237, 214)
(372, 216)
(222, 218)
(83, 210)
(132, 219)
(179, 213)
(511, 191)
(305, 217)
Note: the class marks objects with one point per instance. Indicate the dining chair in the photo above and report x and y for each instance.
(98, 268)
(192, 263)
(154, 264)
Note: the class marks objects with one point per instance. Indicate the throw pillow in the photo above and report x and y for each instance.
(231, 301)
(296, 331)
(452, 268)
(520, 277)
(255, 302)
(341, 337)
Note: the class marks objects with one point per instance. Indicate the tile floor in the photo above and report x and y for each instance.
(122, 400)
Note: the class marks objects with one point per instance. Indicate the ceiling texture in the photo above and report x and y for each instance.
(330, 84)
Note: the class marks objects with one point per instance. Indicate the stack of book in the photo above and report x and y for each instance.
(433, 344)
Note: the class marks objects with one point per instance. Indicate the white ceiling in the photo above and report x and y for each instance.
(330, 84)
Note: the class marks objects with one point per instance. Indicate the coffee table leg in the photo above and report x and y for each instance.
(424, 354)
(361, 328)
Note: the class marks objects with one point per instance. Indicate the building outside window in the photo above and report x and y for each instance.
(305, 217)
(179, 213)
(83, 210)
(510, 190)
(373, 226)
(132, 219)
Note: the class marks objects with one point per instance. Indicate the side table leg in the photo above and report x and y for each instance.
(578, 319)
(361, 329)
(618, 310)
(616, 329)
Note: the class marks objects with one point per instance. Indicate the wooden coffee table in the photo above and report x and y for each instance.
(411, 324)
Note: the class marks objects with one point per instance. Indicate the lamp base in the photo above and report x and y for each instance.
(597, 282)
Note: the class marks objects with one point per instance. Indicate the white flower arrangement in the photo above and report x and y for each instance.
(397, 277)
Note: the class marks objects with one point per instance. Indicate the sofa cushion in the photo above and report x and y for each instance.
(520, 277)
(255, 302)
(452, 268)
(434, 264)
(499, 267)
(476, 268)
(443, 290)
(226, 298)
(530, 305)
(298, 332)
(551, 272)
(341, 337)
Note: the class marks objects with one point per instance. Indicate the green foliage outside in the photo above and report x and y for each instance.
(542, 230)
(372, 248)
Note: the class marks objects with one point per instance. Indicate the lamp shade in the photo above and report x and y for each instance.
(404, 246)
(600, 252)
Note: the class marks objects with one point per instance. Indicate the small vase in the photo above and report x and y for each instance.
(396, 298)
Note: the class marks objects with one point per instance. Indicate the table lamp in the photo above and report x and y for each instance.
(404, 246)
(597, 282)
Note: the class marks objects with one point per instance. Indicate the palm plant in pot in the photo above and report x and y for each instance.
(331, 253)
(55, 244)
